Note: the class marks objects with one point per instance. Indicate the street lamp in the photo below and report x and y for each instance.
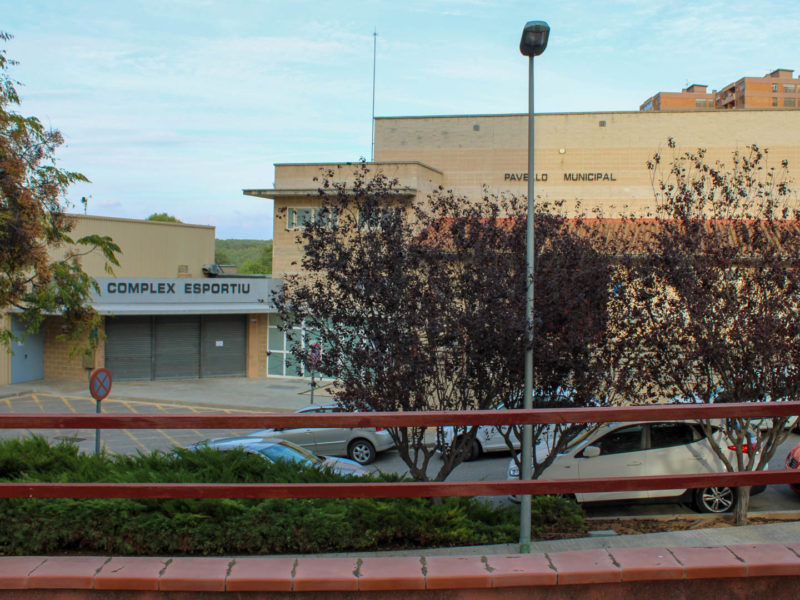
(533, 43)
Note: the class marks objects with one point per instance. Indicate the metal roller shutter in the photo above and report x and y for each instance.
(224, 346)
(177, 347)
(129, 347)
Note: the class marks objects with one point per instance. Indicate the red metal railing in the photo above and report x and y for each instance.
(402, 419)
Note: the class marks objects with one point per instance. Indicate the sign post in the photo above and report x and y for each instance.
(313, 358)
(99, 388)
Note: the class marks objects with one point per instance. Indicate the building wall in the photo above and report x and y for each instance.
(599, 159)
(149, 248)
(59, 363)
(493, 149)
(300, 182)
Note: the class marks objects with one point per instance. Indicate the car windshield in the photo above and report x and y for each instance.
(289, 452)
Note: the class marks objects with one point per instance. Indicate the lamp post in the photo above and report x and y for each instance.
(533, 43)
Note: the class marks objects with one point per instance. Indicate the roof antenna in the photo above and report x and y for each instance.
(374, 55)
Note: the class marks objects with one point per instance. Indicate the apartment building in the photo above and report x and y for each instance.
(776, 90)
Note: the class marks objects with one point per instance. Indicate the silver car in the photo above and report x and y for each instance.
(360, 444)
(274, 449)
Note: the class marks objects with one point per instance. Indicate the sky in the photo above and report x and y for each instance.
(177, 105)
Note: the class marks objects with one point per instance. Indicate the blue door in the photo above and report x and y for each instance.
(27, 360)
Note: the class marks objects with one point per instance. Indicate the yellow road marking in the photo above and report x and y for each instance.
(169, 437)
(135, 439)
(65, 400)
(38, 403)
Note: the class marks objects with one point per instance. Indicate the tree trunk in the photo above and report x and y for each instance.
(742, 505)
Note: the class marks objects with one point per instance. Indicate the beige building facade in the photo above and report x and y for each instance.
(598, 159)
(167, 312)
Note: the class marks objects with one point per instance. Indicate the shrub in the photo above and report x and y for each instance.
(232, 526)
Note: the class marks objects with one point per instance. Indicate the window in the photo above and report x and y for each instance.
(624, 439)
(774, 101)
(789, 102)
(774, 87)
(296, 218)
(665, 435)
(788, 88)
(701, 102)
(378, 218)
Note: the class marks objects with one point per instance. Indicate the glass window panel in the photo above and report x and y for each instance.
(625, 439)
(293, 368)
(303, 217)
(790, 102)
(664, 435)
(275, 339)
(788, 88)
(275, 364)
(275, 320)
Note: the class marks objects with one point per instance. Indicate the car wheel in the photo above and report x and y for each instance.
(474, 451)
(361, 451)
(715, 499)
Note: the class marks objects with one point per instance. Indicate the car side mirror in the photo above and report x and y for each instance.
(591, 452)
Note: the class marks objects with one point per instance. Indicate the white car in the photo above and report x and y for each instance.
(638, 449)
(360, 444)
(489, 438)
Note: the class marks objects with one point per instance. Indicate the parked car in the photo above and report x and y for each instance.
(793, 462)
(360, 444)
(637, 449)
(274, 449)
(489, 438)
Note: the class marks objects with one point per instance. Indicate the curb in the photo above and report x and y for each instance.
(417, 573)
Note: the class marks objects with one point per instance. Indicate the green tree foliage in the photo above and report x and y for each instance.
(164, 218)
(33, 225)
(250, 256)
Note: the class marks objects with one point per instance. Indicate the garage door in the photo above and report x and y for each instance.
(177, 347)
(170, 347)
(224, 346)
(129, 347)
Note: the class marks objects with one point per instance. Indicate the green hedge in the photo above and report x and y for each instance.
(228, 526)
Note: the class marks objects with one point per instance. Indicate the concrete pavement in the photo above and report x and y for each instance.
(268, 395)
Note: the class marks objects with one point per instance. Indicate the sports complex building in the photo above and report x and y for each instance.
(168, 316)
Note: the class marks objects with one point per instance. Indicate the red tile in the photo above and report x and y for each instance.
(195, 575)
(715, 562)
(131, 573)
(260, 575)
(646, 564)
(521, 569)
(72, 572)
(585, 566)
(391, 573)
(325, 574)
(766, 560)
(456, 572)
(14, 570)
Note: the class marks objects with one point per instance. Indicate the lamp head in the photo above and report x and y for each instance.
(534, 38)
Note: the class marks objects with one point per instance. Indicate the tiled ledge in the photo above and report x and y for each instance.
(398, 574)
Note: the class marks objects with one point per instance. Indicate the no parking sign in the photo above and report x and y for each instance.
(100, 384)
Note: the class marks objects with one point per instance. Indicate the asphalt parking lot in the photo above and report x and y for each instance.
(117, 441)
